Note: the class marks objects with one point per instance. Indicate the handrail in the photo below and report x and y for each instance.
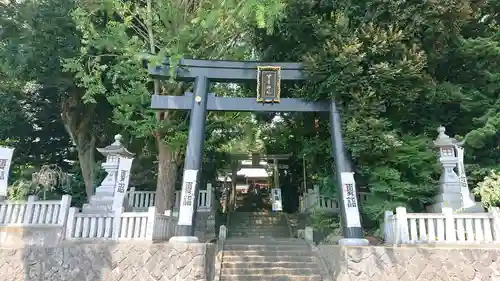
(219, 253)
(290, 231)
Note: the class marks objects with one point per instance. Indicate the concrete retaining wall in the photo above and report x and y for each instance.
(106, 262)
(19, 236)
(409, 264)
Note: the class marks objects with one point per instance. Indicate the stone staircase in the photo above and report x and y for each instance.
(258, 224)
(259, 248)
(269, 259)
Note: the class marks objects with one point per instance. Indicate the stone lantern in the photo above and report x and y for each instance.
(102, 201)
(453, 192)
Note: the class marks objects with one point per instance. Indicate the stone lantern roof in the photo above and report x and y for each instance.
(443, 140)
(116, 148)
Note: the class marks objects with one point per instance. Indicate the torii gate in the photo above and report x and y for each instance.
(268, 77)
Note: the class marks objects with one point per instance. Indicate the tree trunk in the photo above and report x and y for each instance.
(86, 160)
(167, 164)
(76, 118)
(167, 176)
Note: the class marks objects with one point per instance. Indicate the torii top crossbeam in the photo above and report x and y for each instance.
(224, 71)
(231, 71)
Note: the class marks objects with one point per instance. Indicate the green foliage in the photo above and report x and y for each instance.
(326, 223)
(397, 71)
(117, 33)
(19, 190)
(489, 190)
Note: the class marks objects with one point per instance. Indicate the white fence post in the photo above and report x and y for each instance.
(131, 197)
(449, 224)
(150, 226)
(29, 209)
(388, 227)
(312, 200)
(63, 211)
(402, 234)
(70, 223)
(117, 224)
(177, 202)
(495, 213)
(209, 196)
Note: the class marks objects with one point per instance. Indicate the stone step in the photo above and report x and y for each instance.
(257, 241)
(266, 247)
(258, 214)
(257, 224)
(101, 197)
(270, 270)
(264, 253)
(260, 230)
(245, 264)
(268, 259)
(237, 216)
(245, 226)
(96, 210)
(105, 192)
(259, 235)
(101, 201)
(254, 225)
(269, 277)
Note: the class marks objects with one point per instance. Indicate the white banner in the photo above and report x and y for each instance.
(350, 200)
(276, 199)
(122, 180)
(467, 200)
(186, 206)
(5, 161)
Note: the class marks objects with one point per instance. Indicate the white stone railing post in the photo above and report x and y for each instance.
(131, 197)
(495, 213)
(209, 196)
(449, 222)
(150, 226)
(29, 209)
(70, 221)
(312, 200)
(64, 209)
(402, 233)
(388, 227)
(309, 234)
(117, 223)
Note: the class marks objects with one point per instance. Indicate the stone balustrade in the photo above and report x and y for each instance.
(445, 228)
(142, 200)
(312, 200)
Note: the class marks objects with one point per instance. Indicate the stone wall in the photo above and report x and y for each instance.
(411, 263)
(19, 236)
(107, 262)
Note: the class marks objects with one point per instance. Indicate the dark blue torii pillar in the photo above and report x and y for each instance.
(205, 71)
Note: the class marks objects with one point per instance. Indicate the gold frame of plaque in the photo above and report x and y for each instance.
(276, 86)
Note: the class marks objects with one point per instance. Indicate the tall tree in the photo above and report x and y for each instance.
(398, 70)
(36, 37)
(118, 33)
